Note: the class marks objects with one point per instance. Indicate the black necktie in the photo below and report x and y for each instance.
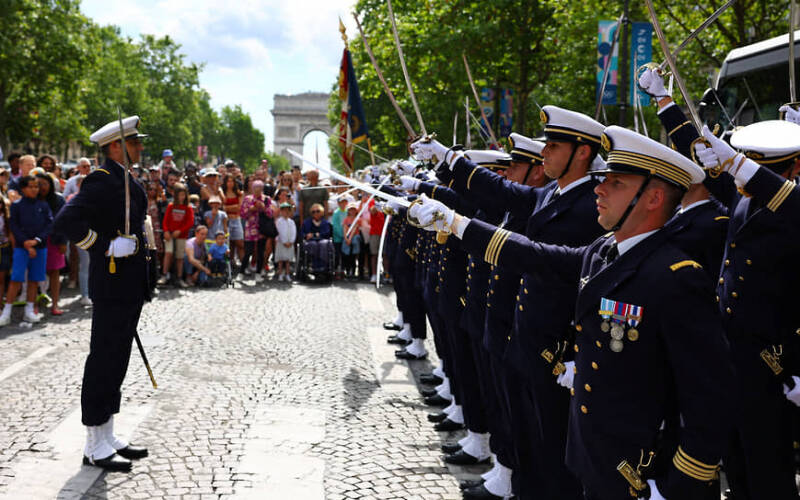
(554, 196)
(612, 253)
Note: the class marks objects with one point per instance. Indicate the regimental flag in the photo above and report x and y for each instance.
(352, 126)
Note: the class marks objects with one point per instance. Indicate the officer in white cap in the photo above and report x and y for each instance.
(118, 286)
(642, 305)
(534, 344)
(757, 298)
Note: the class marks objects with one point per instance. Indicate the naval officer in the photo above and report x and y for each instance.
(118, 286)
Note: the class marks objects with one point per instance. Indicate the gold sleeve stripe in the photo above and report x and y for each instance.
(781, 196)
(685, 263)
(487, 256)
(469, 179)
(433, 192)
(103, 170)
(502, 236)
(676, 128)
(450, 184)
(88, 241)
(693, 467)
(722, 217)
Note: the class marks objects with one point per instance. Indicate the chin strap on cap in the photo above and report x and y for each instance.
(632, 204)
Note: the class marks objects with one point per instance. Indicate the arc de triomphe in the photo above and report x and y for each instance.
(295, 116)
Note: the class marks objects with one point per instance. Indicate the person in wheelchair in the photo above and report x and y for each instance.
(218, 253)
(317, 242)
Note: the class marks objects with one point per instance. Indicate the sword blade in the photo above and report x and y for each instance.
(379, 266)
(405, 70)
(713, 17)
(671, 62)
(127, 166)
(477, 99)
(386, 89)
(144, 358)
(352, 182)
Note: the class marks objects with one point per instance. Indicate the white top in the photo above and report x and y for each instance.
(629, 243)
(693, 205)
(572, 185)
(287, 231)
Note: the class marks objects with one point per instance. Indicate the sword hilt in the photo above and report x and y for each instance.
(794, 105)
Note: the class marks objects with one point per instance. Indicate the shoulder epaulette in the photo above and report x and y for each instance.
(722, 217)
(103, 170)
(685, 263)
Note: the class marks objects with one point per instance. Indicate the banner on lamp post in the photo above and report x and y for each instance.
(606, 30)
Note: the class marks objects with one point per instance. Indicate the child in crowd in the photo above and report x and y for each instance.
(215, 219)
(217, 253)
(178, 220)
(351, 242)
(31, 222)
(284, 247)
(194, 202)
(336, 221)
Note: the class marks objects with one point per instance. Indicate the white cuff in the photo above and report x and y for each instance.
(746, 172)
(452, 158)
(459, 225)
(665, 107)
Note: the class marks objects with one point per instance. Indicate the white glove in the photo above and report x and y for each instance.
(792, 115)
(567, 378)
(403, 167)
(793, 395)
(122, 246)
(394, 206)
(653, 83)
(654, 493)
(376, 172)
(409, 183)
(720, 152)
(424, 150)
(433, 215)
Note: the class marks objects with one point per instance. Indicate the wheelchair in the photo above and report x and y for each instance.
(312, 270)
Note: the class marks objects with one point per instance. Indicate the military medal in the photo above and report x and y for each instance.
(617, 332)
(634, 317)
(633, 334)
(615, 345)
(606, 309)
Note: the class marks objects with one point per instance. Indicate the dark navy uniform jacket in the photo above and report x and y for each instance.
(759, 273)
(620, 399)
(95, 216)
(700, 232)
(542, 305)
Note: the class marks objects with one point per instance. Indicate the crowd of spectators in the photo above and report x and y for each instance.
(208, 223)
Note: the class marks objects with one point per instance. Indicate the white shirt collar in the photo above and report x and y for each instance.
(693, 205)
(573, 184)
(632, 241)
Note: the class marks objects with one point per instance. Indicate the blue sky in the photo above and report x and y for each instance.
(252, 49)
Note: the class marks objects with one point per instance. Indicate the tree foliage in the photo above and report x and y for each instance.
(544, 50)
(62, 76)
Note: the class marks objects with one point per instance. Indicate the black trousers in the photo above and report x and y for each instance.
(254, 249)
(113, 326)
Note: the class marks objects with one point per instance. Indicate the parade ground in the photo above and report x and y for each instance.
(268, 391)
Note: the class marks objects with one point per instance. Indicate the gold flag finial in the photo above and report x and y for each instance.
(343, 30)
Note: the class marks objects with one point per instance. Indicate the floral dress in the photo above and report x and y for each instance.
(249, 214)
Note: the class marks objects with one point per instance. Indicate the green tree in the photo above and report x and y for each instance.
(240, 139)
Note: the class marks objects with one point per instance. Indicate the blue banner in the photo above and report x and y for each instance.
(606, 31)
(641, 53)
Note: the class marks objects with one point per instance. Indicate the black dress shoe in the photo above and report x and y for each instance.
(391, 325)
(436, 400)
(428, 392)
(428, 379)
(471, 483)
(394, 339)
(132, 452)
(403, 354)
(464, 458)
(437, 417)
(478, 493)
(112, 462)
(448, 425)
(451, 448)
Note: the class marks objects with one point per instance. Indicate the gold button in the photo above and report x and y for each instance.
(579, 328)
(594, 365)
(517, 298)
(496, 277)
(572, 392)
(728, 310)
(509, 337)
(749, 262)
(727, 262)
(575, 347)
(584, 409)
(588, 388)
(521, 281)
(735, 295)
(492, 291)
(525, 290)
(733, 245)
(575, 369)
(520, 307)
(741, 278)
(717, 298)
(598, 344)
(797, 331)
(721, 281)
(468, 289)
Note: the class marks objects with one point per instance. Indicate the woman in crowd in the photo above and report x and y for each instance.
(156, 205)
(56, 242)
(271, 231)
(178, 220)
(232, 204)
(253, 206)
(83, 255)
(5, 244)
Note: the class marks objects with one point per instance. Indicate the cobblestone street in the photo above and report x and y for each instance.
(265, 391)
